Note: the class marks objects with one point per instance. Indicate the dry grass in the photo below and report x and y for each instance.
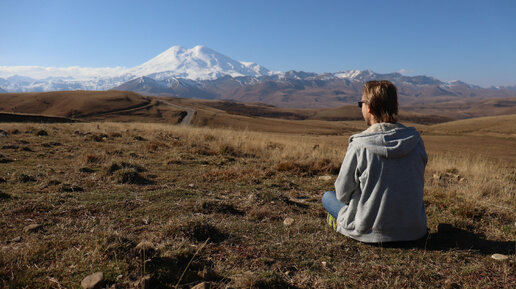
(234, 189)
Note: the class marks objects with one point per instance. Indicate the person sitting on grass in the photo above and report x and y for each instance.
(379, 190)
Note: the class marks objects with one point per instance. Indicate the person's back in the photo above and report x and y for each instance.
(379, 189)
(382, 183)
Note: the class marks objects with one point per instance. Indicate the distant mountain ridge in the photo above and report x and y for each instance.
(298, 89)
(201, 72)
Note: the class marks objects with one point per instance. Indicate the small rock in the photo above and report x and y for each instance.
(202, 285)
(191, 185)
(325, 178)
(499, 257)
(143, 283)
(93, 281)
(324, 264)
(16, 239)
(32, 228)
(451, 285)
(437, 177)
(288, 221)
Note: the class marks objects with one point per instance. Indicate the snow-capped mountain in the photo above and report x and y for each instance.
(304, 89)
(201, 72)
(198, 63)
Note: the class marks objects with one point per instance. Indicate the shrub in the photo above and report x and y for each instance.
(23, 178)
(94, 159)
(86, 170)
(201, 231)
(70, 188)
(42, 133)
(130, 176)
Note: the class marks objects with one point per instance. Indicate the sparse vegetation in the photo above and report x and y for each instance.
(42, 133)
(190, 205)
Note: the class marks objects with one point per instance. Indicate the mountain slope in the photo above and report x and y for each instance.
(198, 63)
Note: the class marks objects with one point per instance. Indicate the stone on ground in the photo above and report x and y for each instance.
(32, 228)
(325, 178)
(93, 281)
(288, 221)
(202, 285)
(499, 257)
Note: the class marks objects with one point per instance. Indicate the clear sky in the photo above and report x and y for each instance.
(473, 41)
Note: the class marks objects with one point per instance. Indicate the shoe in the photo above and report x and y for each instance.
(332, 222)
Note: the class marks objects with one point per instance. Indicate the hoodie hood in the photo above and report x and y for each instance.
(389, 140)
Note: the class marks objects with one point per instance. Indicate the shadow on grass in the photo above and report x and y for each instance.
(166, 272)
(448, 238)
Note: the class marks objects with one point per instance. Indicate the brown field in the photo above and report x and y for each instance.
(139, 198)
(465, 107)
(129, 106)
(210, 203)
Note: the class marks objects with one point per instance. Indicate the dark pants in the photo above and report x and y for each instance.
(331, 204)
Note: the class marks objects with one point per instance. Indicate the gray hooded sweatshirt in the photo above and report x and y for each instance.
(381, 179)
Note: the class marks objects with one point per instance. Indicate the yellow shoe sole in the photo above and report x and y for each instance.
(332, 222)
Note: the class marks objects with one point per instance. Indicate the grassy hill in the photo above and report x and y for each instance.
(175, 206)
(465, 108)
(502, 126)
(234, 200)
(70, 103)
(129, 106)
(90, 105)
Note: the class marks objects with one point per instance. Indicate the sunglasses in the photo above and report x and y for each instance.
(360, 103)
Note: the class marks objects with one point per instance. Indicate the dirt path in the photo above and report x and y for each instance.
(148, 104)
(186, 120)
(189, 112)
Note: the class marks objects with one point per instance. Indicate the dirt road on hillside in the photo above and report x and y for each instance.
(189, 112)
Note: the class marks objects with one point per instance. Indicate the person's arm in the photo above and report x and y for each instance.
(347, 182)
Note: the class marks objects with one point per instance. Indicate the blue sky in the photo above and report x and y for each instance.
(473, 41)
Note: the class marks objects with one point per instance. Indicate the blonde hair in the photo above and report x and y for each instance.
(382, 98)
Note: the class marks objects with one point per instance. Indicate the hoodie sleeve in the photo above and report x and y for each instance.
(346, 182)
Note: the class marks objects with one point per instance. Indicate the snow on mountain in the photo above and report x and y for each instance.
(189, 71)
(198, 63)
